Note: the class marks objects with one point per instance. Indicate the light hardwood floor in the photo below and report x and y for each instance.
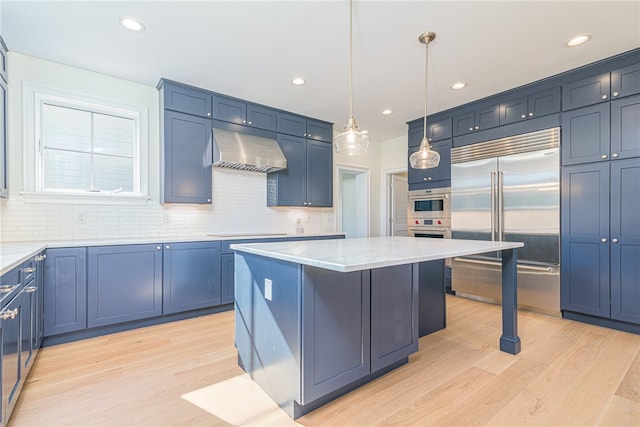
(186, 373)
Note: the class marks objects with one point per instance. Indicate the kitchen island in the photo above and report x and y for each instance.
(317, 319)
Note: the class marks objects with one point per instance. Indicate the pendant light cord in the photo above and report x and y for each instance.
(426, 81)
(350, 58)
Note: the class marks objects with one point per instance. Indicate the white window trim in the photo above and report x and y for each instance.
(33, 94)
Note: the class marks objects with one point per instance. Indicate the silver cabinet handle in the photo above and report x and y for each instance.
(158, 247)
(308, 203)
(430, 139)
(9, 314)
(604, 96)
(470, 128)
(603, 240)
(614, 155)
(530, 114)
(40, 258)
(523, 116)
(616, 93)
(208, 114)
(208, 200)
(604, 156)
(7, 288)
(614, 240)
(30, 289)
(249, 122)
(477, 127)
(167, 247)
(244, 122)
(29, 270)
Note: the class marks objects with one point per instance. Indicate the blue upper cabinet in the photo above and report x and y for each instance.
(261, 117)
(187, 154)
(308, 179)
(625, 81)
(302, 127)
(439, 129)
(439, 176)
(186, 99)
(229, 110)
(416, 133)
(625, 127)
(530, 106)
(479, 119)
(585, 135)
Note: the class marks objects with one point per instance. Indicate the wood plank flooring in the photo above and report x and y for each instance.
(185, 374)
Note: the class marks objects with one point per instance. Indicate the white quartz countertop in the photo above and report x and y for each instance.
(13, 254)
(345, 255)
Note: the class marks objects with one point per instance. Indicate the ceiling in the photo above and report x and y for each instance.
(251, 50)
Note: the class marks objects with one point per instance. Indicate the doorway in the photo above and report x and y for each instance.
(397, 204)
(353, 210)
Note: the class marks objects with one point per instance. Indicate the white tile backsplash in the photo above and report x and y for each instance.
(239, 205)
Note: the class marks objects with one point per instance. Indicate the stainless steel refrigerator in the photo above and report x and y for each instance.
(509, 190)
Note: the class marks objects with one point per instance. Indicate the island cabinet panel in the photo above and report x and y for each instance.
(394, 314)
(65, 290)
(190, 276)
(335, 330)
(124, 283)
(625, 240)
(585, 239)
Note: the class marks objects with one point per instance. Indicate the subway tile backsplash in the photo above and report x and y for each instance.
(239, 205)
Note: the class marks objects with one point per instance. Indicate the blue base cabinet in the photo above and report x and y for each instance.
(65, 290)
(124, 283)
(190, 276)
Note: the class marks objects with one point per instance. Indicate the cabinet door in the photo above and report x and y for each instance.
(625, 128)
(27, 328)
(190, 276)
(3, 138)
(625, 81)
(587, 91)
(319, 174)
(65, 291)
(416, 133)
(229, 110)
(585, 245)
(11, 340)
(336, 321)
(187, 158)
(543, 103)
(260, 117)
(227, 267)
(625, 240)
(514, 110)
(292, 125)
(187, 100)
(463, 123)
(394, 314)
(319, 131)
(124, 283)
(431, 302)
(487, 117)
(289, 187)
(439, 173)
(585, 135)
(439, 129)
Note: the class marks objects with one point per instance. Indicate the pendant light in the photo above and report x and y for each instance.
(353, 141)
(425, 157)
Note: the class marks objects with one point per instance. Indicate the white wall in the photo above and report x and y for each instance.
(239, 198)
(393, 158)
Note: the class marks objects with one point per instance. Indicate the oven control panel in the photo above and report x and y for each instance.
(443, 222)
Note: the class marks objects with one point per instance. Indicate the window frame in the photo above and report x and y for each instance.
(34, 98)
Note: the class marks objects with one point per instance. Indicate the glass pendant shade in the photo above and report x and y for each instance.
(353, 141)
(425, 157)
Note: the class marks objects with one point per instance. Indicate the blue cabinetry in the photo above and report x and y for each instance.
(481, 118)
(601, 87)
(188, 158)
(190, 276)
(124, 283)
(302, 127)
(308, 179)
(65, 291)
(601, 239)
(237, 111)
(439, 176)
(524, 107)
(438, 128)
(185, 99)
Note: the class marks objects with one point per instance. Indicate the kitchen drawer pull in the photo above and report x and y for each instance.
(603, 240)
(9, 314)
(614, 240)
(29, 270)
(614, 155)
(167, 247)
(604, 96)
(30, 289)
(7, 288)
(616, 93)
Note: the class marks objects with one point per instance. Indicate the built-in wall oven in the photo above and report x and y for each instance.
(429, 213)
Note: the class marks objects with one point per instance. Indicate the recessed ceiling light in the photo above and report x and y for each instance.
(387, 112)
(132, 24)
(458, 86)
(298, 81)
(578, 40)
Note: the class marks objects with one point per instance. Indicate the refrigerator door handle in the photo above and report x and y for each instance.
(500, 231)
(493, 205)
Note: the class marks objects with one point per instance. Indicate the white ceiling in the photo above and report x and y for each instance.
(251, 49)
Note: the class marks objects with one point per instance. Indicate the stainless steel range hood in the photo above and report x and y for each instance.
(246, 152)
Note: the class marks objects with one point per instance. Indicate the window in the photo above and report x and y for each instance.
(85, 148)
